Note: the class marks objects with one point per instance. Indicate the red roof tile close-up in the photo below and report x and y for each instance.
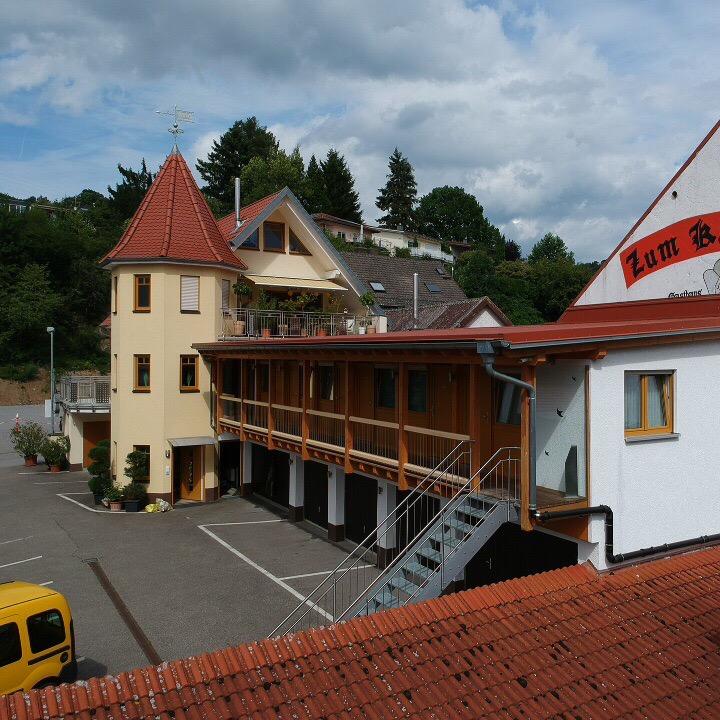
(174, 222)
(639, 642)
(247, 215)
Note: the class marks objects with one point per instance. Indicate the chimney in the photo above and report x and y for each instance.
(237, 203)
(416, 293)
(362, 233)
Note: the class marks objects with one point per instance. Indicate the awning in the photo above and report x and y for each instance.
(223, 437)
(305, 283)
(190, 441)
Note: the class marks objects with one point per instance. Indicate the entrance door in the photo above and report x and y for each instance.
(316, 493)
(187, 473)
(93, 433)
(360, 507)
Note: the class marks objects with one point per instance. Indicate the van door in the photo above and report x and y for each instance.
(12, 667)
(49, 640)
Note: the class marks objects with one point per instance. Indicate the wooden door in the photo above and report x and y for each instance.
(189, 469)
(93, 433)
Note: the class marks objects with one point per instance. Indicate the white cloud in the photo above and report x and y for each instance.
(564, 118)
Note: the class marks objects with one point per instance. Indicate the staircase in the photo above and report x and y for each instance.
(378, 576)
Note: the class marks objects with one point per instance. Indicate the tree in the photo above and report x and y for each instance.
(315, 192)
(243, 141)
(555, 284)
(127, 195)
(397, 199)
(264, 176)
(451, 214)
(550, 247)
(512, 250)
(342, 198)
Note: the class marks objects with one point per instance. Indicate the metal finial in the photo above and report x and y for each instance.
(179, 116)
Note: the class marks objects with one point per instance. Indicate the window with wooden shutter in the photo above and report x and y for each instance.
(189, 293)
(225, 294)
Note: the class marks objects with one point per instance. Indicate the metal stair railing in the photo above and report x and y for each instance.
(497, 485)
(334, 595)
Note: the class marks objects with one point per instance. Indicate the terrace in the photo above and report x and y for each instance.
(85, 393)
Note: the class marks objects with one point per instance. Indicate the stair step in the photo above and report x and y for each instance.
(470, 511)
(417, 569)
(429, 553)
(403, 584)
(460, 527)
(449, 539)
(385, 599)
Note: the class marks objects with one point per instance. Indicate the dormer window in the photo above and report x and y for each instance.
(251, 242)
(274, 237)
(296, 247)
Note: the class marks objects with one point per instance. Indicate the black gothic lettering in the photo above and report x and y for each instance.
(634, 261)
(668, 249)
(651, 259)
(701, 235)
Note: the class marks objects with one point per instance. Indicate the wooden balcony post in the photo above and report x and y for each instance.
(473, 415)
(243, 406)
(402, 421)
(349, 387)
(270, 418)
(307, 367)
(218, 391)
(528, 376)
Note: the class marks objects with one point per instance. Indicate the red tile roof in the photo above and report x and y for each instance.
(640, 642)
(247, 214)
(174, 222)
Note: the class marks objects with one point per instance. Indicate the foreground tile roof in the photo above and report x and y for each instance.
(640, 642)
(174, 222)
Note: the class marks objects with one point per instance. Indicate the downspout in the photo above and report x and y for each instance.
(610, 556)
(416, 300)
(237, 203)
(486, 350)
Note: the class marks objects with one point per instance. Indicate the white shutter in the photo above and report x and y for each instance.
(225, 294)
(189, 293)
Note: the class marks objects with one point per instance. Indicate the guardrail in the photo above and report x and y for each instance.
(85, 391)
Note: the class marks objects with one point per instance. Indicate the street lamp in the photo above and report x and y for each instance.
(51, 330)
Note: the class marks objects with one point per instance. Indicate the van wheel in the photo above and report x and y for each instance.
(47, 682)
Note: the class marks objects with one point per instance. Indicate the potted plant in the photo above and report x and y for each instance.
(114, 496)
(99, 469)
(243, 291)
(135, 496)
(27, 441)
(266, 302)
(55, 450)
(368, 300)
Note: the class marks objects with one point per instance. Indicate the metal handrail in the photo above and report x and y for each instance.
(439, 520)
(289, 323)
(330, 582)
(85, 390)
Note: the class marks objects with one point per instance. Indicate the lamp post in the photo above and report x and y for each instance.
(51, 330)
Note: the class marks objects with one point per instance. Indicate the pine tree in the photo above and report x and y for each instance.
(343, 200)
(245, 140)
(315, 193)
(397, 199)
(127, 195)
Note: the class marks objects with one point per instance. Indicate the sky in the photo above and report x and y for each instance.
(564, 117)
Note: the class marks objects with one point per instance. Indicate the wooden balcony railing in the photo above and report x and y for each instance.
(375, 439)
(326, 429)
(287, 421)
(426, 445)
(256, 414)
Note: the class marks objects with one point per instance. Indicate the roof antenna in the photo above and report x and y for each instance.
(179, 116)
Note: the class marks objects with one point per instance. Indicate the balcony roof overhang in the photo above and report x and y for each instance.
(304, 283)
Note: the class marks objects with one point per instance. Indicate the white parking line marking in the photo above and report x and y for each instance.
(322, 572)
(7, 542)
(64, 496)
(47, 582)
(20, 562)
(59, 482)
(267, 573)
(247, 522)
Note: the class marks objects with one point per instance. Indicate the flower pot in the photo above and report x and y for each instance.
(266, 332)
(116, 506)
(55, 468)
(321, 332)
(371, 330)
(30, 460)
(303, 332)
(132, 506)
(239, 328)
(361, 330)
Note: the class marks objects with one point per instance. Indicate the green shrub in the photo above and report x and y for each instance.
(99, 469)
(55, 450)
(23, 372)
(137, 466)
(135, 491)
(402, 252)
(28, 439)
(114, 494)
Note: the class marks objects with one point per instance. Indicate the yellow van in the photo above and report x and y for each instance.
(37, 642)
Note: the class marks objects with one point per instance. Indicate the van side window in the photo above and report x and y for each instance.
(46, 630)
(10, 649)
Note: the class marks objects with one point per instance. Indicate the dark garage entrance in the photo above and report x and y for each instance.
(229, 465)
(316, 493)
(360, 507)
(271, 474)
(512, 553)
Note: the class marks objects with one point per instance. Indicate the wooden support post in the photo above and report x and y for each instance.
(307, 369)
(473, 414)
(528, 375)
(243, 394)
(218, 392)
(270, 418)
(349, 397)
(402, 421)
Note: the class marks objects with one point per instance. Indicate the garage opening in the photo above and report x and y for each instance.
(229, 465)
(316, 493)
(271, 474)
(360, 507)
(512, 553)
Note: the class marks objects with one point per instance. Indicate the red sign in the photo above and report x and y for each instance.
(683, 240)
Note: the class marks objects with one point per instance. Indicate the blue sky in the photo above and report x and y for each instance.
(558, 116)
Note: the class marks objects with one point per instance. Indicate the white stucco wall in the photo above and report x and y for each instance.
(698, 192)
(486, 318)
(663, 490)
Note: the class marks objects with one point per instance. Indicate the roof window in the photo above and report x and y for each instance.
(432, 287)
(377, 286)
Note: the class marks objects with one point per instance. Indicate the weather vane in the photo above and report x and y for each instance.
(179, 116)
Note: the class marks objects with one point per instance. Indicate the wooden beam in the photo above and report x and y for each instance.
(527, 375)
(349, 409)
(473, 414)
(307, 368)
(402, 421)
(270, 418)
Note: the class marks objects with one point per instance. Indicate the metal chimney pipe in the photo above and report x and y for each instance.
(416, 298)
(362, 233)
(237, 202)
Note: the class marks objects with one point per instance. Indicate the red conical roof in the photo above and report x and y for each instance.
(174, 222)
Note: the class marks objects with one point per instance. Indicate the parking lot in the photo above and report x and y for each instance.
(151, 587)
